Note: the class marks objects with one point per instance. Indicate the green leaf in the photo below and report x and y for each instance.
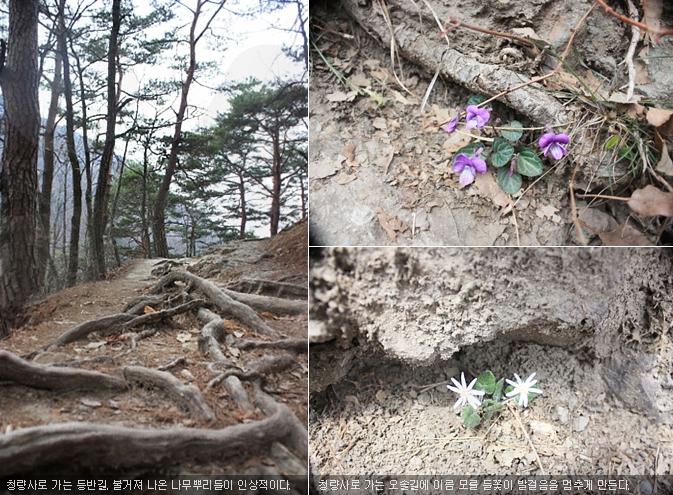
(502, 152)
(508, 389)
(470, 418)
(490, 407)
(475, 100)
(485, 382)
(468, 150)
(529, 163)
(612, 142)
(509, 184)
(515, 133)
(497, 393)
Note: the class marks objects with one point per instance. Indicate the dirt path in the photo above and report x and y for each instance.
(175, 341)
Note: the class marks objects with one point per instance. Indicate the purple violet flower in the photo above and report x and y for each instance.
(553, 143)
(450, 127)
(468, 167)
(477, 117)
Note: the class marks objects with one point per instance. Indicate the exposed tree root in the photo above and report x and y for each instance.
(95, 448)
(107, 324)
(160, 315)
(137, 305)
(120, 321)
(264, 366)
(269, 288)
(298, 345)
(211, 334)
(225, 303)
(234, 387)
(23, 372)
(176, 362)
(271, 304)
(188, 396)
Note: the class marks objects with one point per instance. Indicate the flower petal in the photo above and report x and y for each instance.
(467, 176)
(546, 139)
(478, 164)
(557, 151)
(451, 126)
(562, 138)
(461, 162)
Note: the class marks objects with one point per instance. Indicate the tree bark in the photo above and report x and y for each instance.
(158, 222)
(48, 171)
(76, 219)
(102, 195)
(18, 179)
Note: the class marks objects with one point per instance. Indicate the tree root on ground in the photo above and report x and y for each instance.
(269, 288)
(95, 448)
(120, 321)
(222, 301)
(298, 345)
(187, 396)
(272, 305)
(23, 372)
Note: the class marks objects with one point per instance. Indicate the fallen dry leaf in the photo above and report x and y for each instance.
(343, 179)
(455, 141)
(443, 114)
(323, 168)
(486, 186)
(390, 224)
(658, 117)
(380, 123)
(652, 10)
(642, 77)
(269, 316)
(339, 96)
(360, 80)
(147, 310)
(411, 197)
(624, 235)
(651, 202)
(349, 151)
(385, 158)
(400, 98)
(665, 165)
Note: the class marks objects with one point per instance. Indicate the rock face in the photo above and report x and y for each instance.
(420, 306)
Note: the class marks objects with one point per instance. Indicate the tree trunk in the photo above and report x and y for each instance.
(48, 172)
(158, 221)
(244, 213)
(18, 179)
(102, 195)
(87, 158)
(76, 219)
(277, 181)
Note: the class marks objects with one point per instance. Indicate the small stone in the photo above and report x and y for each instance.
(187, 375)
(91, 403)
(646, 487)
(561, 414)
(580, 422)
(424, 399)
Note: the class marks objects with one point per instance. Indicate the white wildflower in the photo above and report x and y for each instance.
(522, 389)
(467, 395)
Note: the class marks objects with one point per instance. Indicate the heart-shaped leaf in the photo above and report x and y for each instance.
(513, 131)
(470, 418)
(502, 152)
(509, 184)
(475, 100)
(529, 163)
(497, 392)
(485, 382)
